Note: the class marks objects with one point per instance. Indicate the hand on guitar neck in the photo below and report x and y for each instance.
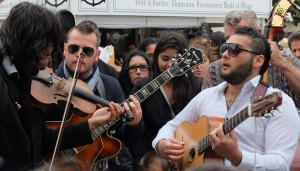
(104, 115)
(226, 145)
(110, 113)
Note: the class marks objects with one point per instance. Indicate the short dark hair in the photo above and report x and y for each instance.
(259, 45)
(146, 42)
(294, 36)
(87, 27)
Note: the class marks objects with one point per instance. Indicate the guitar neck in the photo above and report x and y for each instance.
(229, 125)
(140, 95)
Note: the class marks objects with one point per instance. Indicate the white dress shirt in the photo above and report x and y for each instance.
(274, 139)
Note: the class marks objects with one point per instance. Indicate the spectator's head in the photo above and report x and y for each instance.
(240, 18)
(148, 46)
(294, 44)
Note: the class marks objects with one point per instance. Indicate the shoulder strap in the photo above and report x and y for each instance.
(260, 90)
(101, 88)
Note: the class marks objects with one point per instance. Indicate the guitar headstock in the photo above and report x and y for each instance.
(185, 62)
(265, 104)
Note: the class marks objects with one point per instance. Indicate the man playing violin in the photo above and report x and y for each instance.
(26, 45)
(254, 144)
(284, 70)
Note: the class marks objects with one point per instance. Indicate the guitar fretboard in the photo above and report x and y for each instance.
(140, 95)
(229, 125)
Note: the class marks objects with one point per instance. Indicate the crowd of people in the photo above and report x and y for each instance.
(140, 121)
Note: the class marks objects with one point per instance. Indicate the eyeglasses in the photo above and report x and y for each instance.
(233, 49)
(142, 67)
(88, 51)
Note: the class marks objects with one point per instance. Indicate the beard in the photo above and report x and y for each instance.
(240, 74)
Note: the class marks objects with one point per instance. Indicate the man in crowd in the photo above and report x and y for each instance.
(283, 72)
(254, 144)
(294, 44)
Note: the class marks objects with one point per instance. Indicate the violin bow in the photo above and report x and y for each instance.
(70, 95)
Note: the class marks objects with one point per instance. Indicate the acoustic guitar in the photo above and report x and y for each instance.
(104, 145)
(198, 142)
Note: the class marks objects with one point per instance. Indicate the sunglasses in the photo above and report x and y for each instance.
(142, 67)
(88, 51)
(233, 49)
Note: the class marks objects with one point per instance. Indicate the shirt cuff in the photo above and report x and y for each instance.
(247, 161)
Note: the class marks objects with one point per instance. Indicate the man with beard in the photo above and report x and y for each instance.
(257, 143)
(284, 70)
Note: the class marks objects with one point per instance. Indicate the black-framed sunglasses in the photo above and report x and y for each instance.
(142, 67)
(233, 49)
(88, 51)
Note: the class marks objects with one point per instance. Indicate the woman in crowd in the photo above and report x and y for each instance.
(135, 66)
(167, 101)
(209, 55)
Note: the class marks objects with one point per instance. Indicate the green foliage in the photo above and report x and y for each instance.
(294, 11)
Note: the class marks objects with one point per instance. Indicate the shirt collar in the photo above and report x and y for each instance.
(250, 84)
(9, 67)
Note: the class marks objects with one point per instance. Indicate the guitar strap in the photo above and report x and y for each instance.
(260, 90)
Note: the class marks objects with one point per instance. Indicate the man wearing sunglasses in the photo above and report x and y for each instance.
(284, 70)
(81, 47)
(260, 143)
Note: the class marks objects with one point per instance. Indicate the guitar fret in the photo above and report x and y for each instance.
(204, 143)
(150, 88)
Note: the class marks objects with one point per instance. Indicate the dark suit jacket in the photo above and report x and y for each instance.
(24, 137)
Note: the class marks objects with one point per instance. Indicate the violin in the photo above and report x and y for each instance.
(49, 89)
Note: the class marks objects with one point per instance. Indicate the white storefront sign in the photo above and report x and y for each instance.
(149, 13)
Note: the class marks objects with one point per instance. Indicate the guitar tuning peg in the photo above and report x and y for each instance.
(173, 59)
(185, 50)
(186, 75)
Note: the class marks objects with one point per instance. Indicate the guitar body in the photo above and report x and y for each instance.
(86, 157)
(191, 134)
(197, 148)
(103, 147)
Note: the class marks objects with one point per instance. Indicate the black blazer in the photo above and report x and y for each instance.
(24, 136)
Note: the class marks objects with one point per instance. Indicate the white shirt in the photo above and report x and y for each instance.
(276, 137)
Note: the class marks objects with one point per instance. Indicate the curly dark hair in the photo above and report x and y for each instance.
(29, 30)
(259, 45)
